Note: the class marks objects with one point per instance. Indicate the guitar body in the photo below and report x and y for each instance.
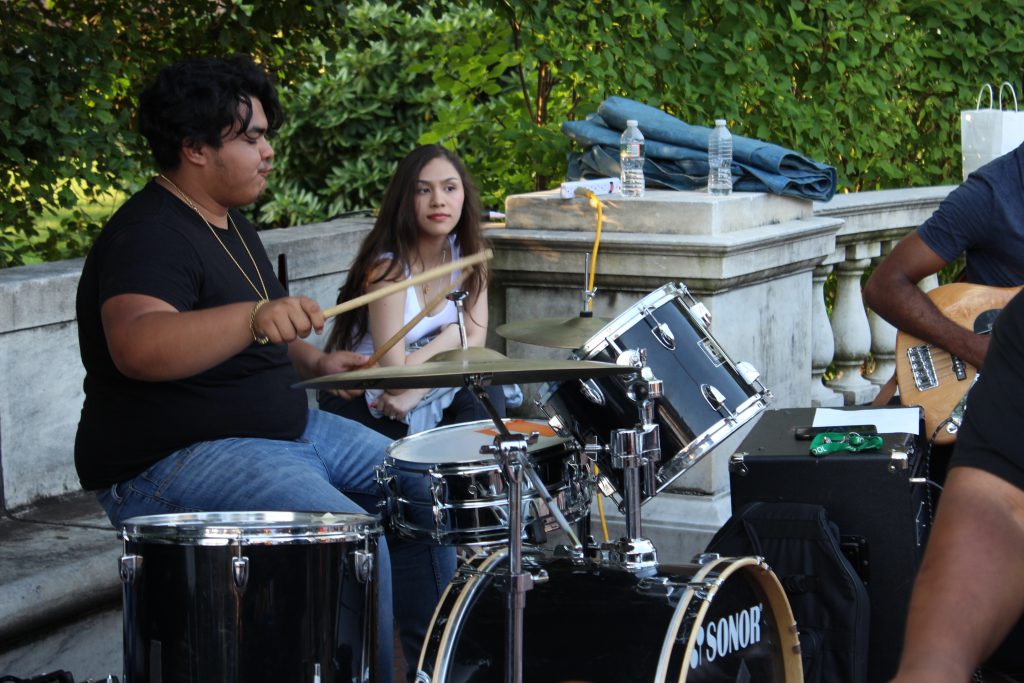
(931, 377)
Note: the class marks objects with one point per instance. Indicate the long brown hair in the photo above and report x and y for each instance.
(396, 231)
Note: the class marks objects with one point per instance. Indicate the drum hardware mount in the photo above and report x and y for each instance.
(633, 451)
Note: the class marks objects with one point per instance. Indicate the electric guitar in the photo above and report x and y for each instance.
(935, 379)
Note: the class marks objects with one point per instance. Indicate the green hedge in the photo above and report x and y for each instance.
(871, 87)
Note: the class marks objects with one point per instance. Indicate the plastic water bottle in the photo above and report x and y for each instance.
(631, 161)
(720, 159)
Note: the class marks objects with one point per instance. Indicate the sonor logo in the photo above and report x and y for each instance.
(729, 634)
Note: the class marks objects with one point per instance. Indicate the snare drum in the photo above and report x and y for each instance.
(249, 596)
(726, 620)
(706, 397)
(440, 487)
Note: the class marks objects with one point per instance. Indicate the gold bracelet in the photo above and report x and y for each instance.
(258, 338)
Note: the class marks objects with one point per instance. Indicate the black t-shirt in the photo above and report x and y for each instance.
(157, 246)
(989, 438)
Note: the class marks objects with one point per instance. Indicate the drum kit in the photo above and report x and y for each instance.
(638, 401)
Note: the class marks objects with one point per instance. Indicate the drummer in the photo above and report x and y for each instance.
(191, 346)
(430, 215)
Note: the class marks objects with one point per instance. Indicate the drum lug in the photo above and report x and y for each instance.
(240, 570)
(383, 474)
(591, 391)
(701, 313)
(438, 488)
(664, 336)
(716, 399)
(748, 372)
(131, 567)
(362, 561)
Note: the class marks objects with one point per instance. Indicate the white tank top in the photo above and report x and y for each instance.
(429, 325)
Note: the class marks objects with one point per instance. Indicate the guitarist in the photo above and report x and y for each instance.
(982, 218)
(970, 588)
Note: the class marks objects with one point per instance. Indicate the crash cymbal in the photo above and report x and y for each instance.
(451, 368)
(559, 333)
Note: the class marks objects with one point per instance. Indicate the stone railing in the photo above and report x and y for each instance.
(872, 223)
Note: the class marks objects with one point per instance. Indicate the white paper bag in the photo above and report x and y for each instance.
(986, 134)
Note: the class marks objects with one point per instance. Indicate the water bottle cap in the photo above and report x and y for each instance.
(631, 122)
(719, 122)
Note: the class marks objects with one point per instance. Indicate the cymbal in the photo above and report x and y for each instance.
(451, 368)
(559, 333)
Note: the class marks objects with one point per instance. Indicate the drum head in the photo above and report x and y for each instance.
(461, 443)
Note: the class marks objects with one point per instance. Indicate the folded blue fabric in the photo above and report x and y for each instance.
(676, 154)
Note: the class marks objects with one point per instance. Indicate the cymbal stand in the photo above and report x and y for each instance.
(512, 454)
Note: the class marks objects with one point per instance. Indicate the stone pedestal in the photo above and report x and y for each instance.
(748, 257)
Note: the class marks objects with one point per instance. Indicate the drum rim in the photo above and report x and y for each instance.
(250, 528)
(599, 340)
(702, 444)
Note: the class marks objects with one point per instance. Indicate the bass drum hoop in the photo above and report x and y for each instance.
(722, 568)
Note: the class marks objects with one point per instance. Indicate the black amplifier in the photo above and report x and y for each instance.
(879, 500)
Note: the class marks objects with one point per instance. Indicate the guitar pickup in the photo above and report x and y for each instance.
(959, 368)
(922, 368)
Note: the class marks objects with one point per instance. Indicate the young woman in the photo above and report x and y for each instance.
(430, 215)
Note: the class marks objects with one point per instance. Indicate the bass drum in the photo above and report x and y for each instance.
(725, 620)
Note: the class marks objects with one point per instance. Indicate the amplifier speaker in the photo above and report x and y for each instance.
(879, 501)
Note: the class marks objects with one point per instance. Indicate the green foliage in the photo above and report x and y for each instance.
(873, 88)
(347, 128)
(68, 70)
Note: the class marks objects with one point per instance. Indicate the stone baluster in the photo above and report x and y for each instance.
(851, 330)
(883, 336)
(823, 345)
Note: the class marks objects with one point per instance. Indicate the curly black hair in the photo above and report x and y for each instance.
(195, 101)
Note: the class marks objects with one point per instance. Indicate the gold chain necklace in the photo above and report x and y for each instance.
(264, 296)
(426, 286)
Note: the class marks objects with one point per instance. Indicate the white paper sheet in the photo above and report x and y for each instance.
(889, 420)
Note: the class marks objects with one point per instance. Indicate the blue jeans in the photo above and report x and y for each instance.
(330, 468)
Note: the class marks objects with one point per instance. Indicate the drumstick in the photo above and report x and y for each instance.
(428, 306)
(425, 276)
